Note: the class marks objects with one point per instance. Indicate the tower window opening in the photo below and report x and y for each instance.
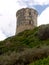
(29, 13)
(29, 22)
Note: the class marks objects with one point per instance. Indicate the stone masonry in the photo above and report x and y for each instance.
(26, 19)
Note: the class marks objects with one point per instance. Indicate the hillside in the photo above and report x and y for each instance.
(27, 48)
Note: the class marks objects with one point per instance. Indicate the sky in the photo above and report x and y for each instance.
(8, 9)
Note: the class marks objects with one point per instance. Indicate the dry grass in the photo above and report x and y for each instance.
(25, 57)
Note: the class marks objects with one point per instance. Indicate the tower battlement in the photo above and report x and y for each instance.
(26, 19)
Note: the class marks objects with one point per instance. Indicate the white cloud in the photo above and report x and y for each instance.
(41, 2)
(2, 36)
(8, 10)
(29, 3)
(44, 17)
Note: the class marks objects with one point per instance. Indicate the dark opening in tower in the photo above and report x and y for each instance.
(29, 21)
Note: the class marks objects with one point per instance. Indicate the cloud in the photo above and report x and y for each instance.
(8, 24)
(8, 9)
(2, 36)
(30, 3)
(41, 2)
(44, 17)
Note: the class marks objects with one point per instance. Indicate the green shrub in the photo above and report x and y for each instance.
(44, 61)
(25, 57)
(43, 32)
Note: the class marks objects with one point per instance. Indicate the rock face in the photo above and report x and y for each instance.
(26, 19)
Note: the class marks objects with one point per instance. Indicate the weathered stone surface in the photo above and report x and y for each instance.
(26, 19)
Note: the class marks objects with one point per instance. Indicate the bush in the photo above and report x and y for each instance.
(25, 57)
(43, 32)
(44, 61)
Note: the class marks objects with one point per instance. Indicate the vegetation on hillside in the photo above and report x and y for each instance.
(26, 47)
(44, 61)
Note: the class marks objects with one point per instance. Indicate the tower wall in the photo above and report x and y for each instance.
(26, 19)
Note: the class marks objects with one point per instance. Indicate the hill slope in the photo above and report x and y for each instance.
(26, 47)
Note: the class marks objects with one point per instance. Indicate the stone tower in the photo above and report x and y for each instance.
(26, 19)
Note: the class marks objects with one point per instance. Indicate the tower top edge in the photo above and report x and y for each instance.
(22, 9)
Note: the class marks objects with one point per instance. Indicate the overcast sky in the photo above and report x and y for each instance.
(8, 9)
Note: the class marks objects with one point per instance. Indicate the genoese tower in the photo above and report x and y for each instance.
(26, 19)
